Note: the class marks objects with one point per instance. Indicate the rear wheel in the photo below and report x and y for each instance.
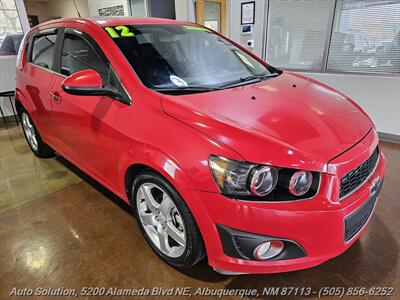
(166, 222)
(35, 142)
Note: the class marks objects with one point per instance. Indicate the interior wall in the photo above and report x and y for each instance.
(181, 10)
(38, 8)
(138, 8)
(66, 8)
(184, 10)
(258, 26)
(7, 80)
(48, 10)
(379, 96)
(95, 5)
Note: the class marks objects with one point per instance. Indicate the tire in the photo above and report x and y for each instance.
(32, 136)
(178, 219)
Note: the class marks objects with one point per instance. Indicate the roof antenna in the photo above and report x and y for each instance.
(77, 10)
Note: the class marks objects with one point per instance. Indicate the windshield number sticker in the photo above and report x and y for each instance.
(190, 27)
(124, 31)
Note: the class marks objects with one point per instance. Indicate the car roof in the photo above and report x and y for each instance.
(113, 21)
(110, 21)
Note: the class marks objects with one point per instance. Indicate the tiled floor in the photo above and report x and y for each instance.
(58, 228)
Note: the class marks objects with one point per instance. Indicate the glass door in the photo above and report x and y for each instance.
(212, 14)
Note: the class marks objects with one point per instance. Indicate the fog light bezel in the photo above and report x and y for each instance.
(241, 244)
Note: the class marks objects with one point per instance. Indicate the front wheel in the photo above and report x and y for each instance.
(166, 222)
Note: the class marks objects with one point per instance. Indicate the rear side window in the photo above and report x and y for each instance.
(78, 55)
(43, 50)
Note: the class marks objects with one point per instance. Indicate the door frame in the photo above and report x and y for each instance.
(200, 13)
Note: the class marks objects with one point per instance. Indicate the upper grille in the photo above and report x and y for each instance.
(352, 180)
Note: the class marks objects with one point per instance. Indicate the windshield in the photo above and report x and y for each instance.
(187, 57)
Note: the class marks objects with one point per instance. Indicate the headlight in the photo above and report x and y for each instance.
(263, 180)
(257, 182)
(230, 175)
(300, 183)
(241, 178)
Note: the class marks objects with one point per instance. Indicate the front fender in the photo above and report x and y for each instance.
(144, 134)
(159, 161)
(184, 167)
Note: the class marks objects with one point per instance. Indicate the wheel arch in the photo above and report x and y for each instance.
(18, 103)
(23, 101)
(130, 174)
(163, 166)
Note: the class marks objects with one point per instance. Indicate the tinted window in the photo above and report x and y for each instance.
(78, 55)
(43, 50)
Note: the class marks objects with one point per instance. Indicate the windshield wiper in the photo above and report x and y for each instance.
(240, 81)
(268, 75)
(247, 80)
(187, 89)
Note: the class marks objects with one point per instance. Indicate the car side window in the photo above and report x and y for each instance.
(43, 50)
(78, 55)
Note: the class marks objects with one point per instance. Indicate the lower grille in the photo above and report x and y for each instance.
(354, 222)
(355, 178)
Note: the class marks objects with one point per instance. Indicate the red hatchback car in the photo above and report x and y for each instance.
(218, 153)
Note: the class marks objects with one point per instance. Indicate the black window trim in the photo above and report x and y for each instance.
(57, 58)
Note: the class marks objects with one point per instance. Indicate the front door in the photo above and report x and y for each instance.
(84, 125)
(212, 14)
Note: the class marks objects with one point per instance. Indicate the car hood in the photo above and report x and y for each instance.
(288, 121)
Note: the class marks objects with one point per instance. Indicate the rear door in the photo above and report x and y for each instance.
(39, 77)
(85, 124)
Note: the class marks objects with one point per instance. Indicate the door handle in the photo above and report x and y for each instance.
(56, 97)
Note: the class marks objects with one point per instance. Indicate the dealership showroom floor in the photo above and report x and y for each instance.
(60, 228)
(251, 126)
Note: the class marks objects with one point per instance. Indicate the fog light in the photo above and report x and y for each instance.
(268, 250)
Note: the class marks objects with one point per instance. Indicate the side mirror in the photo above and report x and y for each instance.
(88, 83)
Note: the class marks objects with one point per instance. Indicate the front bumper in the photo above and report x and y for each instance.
(317, 225)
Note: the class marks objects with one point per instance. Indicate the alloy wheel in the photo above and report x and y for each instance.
(161, 220)
(29, 131)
